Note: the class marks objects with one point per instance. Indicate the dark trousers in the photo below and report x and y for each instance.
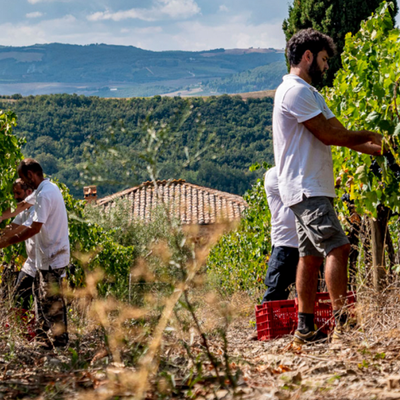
(23, 293)
(51, 312)
(281, 274)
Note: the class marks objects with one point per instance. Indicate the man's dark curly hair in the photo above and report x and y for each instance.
(308, 39)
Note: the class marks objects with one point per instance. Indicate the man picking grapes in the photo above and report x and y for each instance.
(303, 130)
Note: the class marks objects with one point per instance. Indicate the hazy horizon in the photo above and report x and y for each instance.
(156, 25)
(114, 44)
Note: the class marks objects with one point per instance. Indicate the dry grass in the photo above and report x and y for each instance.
(118, 350)
(191, 343)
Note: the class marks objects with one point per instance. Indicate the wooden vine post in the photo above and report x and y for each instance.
(379, 233)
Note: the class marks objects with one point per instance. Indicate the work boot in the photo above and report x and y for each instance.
(342, 331)
(311, 337)
(61, 340)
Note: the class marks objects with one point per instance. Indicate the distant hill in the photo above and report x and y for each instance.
(266, 77)
(123, 71)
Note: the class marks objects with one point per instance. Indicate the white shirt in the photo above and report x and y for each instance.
(31, 199)
(25, 219)
(52, 242)
(304, 163)
(283, 223)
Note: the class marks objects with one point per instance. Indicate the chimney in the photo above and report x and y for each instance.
(90, 193)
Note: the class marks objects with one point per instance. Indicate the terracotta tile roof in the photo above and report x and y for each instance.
(192, 204)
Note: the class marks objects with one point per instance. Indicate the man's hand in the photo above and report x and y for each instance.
(376, 138)
(332, 133)
(368, 148)
(21, 206)
(26, 233)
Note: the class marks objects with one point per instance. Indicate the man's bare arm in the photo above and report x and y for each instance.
(11, 230)
(334, 133)
(21, 206)
(366, 148)
(26, 233)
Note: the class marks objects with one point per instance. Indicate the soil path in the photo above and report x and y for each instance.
(355, 369)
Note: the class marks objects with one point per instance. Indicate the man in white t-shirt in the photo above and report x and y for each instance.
(52, 252)
(303, 130)
(282, 264)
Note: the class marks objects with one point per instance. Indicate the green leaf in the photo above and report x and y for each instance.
(372, 117)
(397, 130)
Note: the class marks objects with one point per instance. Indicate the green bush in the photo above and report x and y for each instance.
(93, 247)
(158, 248)
(10, 156)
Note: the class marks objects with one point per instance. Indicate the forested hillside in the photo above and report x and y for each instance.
(58, 128)
(266, 77)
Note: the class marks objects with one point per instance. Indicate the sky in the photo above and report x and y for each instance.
(148, 24)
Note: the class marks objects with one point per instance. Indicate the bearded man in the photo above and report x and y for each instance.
(303, 130)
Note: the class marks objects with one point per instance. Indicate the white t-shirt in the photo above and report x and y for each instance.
(25, 219)
(304, 163)
(52, 241)
(31, 199)
(283, 223)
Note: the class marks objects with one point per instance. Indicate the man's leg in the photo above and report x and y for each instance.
(320, 234)
(50, 306)
(23, 290)
(38, 292)
(336, 275)
(281, 273)
(307, 282)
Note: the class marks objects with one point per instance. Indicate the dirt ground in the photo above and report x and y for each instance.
(357, 369)
(365, 366)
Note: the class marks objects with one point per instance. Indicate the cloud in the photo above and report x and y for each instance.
(48, 1)
(205, 30)
(150, 30)
(223, 8)
(35, 14)
(142, 14)
(175, 9)
(237, 32)
(53, 30)
(179, 8)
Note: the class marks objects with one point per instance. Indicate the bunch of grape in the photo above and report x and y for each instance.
(390, 163)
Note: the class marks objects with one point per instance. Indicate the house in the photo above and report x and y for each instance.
(189, 203)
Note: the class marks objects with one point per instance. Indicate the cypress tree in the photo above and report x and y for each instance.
(333, 17)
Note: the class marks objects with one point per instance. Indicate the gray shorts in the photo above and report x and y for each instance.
(318, 228)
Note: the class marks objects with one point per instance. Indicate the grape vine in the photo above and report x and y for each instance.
(364, 96)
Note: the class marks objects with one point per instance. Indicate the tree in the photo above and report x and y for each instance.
(333, 17)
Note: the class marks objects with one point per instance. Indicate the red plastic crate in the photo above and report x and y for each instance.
(275, 319)
(323, 317)
(278, 318)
